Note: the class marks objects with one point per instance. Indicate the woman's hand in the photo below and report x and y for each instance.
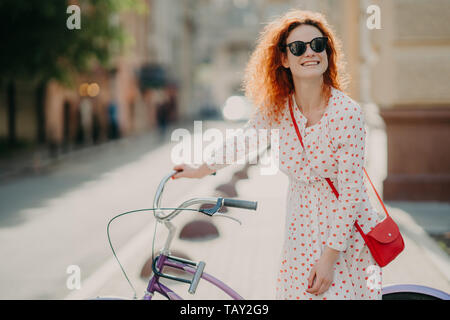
(188, 171)
(321, 275)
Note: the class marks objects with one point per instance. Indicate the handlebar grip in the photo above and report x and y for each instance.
(243, 204)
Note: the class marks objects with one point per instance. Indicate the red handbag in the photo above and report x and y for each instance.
(384, 241)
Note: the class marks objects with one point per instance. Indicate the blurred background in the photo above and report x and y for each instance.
(77, 104)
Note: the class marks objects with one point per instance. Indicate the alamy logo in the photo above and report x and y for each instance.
(230, 149)
(73, 281)
(74, 20)
(374, 279)
(374, 20)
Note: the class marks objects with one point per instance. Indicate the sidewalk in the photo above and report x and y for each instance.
(246, 257)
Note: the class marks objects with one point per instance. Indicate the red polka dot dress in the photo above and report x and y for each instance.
(315, 218)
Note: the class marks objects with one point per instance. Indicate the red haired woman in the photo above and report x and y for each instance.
(294, 76)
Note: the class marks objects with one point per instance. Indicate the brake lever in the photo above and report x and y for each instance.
(211, 211)
(227, 216)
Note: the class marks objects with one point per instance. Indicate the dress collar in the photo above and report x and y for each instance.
(300, 118)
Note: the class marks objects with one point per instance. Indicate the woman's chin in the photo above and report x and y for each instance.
(312, 74)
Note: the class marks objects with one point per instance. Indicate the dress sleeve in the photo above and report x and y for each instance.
(350, 178)
(244, 142)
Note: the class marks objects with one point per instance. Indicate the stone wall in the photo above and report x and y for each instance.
(410, 84)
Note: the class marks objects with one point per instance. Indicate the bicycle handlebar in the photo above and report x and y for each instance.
(243, 204)
(161, 217)
(236, 203)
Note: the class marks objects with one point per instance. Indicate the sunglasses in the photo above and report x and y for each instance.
(298, 48)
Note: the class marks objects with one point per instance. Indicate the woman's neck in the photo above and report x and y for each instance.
(308, 94)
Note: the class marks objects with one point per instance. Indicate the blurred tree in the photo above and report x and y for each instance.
(37, 45)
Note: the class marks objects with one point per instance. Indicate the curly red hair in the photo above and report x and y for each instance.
(267, 83)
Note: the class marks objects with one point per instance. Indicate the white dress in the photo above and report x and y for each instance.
(315, 218)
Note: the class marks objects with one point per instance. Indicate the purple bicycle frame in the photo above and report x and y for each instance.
(155, 285)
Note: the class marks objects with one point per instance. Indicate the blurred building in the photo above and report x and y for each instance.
(103, 103)
(410, 77)
(227, 33)
(157, 67)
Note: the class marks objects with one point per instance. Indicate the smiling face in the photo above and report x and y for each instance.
(310, 64)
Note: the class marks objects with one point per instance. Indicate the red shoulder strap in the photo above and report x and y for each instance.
(333, 188)
(295, 122)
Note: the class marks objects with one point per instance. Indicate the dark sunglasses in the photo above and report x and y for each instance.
(298, 48)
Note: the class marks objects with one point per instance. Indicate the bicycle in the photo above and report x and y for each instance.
(196, 269)
(165, 259)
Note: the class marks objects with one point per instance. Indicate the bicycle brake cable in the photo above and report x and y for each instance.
(153, 244)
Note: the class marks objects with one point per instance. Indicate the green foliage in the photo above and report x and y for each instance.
(36, 43)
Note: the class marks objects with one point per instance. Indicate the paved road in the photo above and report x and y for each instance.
(51, 221)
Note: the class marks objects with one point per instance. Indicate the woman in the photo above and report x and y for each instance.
(295, 67)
